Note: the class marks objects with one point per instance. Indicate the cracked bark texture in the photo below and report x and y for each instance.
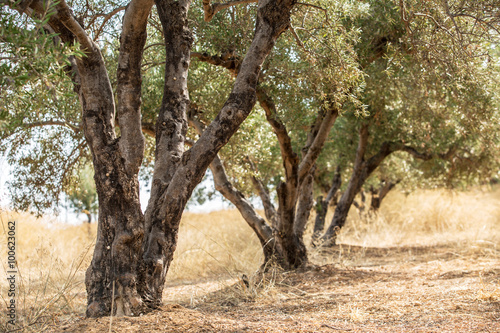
(116, 160)
(170, 131)
(182, 171)
(116, 164)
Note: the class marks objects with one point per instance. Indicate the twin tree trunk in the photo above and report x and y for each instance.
(133, 251)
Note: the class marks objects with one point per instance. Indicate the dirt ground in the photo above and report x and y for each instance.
(406, 289)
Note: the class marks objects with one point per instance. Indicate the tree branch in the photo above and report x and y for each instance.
(212, 9)
(65, 15)
(297, 39)
(317, 144)
(263, 192)
(224, 186)
(388, 148)
(51, 122)
(227, 60)
(314, 6)
(290, 158)
(128, 91)
(107, 17)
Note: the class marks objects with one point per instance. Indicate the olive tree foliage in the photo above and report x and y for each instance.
(424, 101)
(35, 95)
(134, 250)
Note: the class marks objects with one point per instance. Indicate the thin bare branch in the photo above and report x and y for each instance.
(107, 17)
(319, 140)
(297, 39)
(51, 122)
(212, 9)
(153, 45)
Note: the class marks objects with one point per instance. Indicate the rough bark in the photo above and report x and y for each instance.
(171, 128)
(166, 205)
(115, 164)
(115, 161)
(122, 265)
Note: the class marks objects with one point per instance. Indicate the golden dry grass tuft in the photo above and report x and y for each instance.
(220, 247)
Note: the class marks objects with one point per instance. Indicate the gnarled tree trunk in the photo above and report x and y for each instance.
(175, 183)
(133, 253)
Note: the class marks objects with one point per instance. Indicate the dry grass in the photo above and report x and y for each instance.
(429, 218)
(214, 244)
(220, 247)
(51, 260)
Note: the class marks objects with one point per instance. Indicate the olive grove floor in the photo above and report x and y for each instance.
(445, 288)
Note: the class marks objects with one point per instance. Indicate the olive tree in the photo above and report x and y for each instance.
(134, 250)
